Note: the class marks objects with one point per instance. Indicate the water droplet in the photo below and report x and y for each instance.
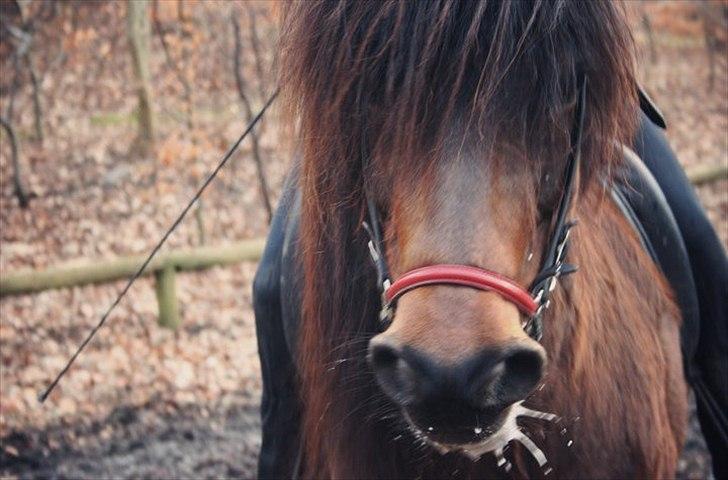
(477, 430)
(531, 447)
(563, 431)
(520, 410)
(570, 443)
(429, 429)
(547, 471)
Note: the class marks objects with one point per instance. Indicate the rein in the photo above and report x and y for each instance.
(532, 302)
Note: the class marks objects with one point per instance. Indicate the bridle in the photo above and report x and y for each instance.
(532, 302)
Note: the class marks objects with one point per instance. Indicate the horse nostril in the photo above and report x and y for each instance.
(524, 369)
(382, 354)
(510, 376)
(392, 371)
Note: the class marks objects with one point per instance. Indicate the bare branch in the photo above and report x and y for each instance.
(257, 55)
(172, 64)
(647, 25)
(20, 190)
(37, 110)
(240, 82)
(711, 19)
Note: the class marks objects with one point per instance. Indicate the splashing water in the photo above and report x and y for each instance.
(508, 432)
(499, 440)
(337, 363)
(501, 460)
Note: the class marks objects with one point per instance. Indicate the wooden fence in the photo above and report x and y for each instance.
(165, 266)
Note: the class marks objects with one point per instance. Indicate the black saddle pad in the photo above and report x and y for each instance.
(645, 206)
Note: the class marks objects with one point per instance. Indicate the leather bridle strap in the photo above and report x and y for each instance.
(553, 265)
(466, 276)
(532, 302)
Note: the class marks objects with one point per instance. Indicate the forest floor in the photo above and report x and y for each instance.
(147, 402)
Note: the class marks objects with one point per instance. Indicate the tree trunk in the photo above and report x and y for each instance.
(647, 24)
(138, 34)
(714, 23)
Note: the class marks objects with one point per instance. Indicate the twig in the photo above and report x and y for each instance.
(710, 41)
(160, 34)
(249, 114)
(20, 190)
(255, 44)
(172, 64)
(647, 24)
(37, 110)
(200, 221)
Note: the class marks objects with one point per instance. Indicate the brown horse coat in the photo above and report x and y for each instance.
(424, 89)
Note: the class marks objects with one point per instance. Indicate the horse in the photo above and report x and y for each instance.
(453, 143)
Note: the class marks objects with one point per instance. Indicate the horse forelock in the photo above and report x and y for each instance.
(391, 79)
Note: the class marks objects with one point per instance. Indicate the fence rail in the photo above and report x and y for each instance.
(707, 173)
(165, 266)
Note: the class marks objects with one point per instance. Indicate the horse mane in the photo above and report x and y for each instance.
(390, 79)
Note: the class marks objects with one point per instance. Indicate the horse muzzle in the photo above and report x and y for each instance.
(457, 403)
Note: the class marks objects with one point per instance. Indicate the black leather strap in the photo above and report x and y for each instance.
(553, 265)
(650, 109)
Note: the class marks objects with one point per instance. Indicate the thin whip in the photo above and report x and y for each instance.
(42, 397)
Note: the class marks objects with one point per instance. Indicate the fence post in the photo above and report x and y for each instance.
(167, 296)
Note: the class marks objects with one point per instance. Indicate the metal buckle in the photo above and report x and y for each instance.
(385, 314)
(373, 251)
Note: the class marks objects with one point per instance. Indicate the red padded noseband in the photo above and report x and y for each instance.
(466, 276)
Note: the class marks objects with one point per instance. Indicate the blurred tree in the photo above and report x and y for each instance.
(138, 34)
(715, 25)
(647, 25)
(18, 24)
(247, 106)
(20, 189)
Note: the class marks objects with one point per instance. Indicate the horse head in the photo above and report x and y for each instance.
(453, 122)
